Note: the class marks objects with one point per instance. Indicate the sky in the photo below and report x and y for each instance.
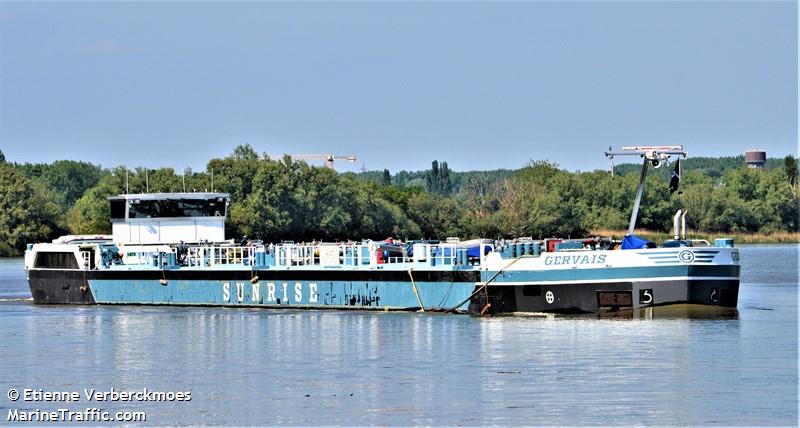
(479, 85)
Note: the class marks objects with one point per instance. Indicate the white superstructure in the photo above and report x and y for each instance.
(158, 218)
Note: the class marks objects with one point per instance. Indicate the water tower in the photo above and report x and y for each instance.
(755, 158)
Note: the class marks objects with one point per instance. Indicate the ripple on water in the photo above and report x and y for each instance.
(246, 367)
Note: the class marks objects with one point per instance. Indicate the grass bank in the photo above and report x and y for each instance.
(739, 238)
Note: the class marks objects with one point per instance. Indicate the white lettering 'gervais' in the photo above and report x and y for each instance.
(577, 259)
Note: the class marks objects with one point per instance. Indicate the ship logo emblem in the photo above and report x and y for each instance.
(549, 297)
(686, 256)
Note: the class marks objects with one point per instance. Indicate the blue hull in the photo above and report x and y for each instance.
(274, 289)
(285, 294)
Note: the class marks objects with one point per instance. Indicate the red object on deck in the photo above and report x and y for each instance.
(551, 244)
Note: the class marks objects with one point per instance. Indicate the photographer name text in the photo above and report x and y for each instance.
(96, 395)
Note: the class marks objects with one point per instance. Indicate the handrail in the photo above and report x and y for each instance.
(293, 255)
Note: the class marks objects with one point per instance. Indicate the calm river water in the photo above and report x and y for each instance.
(261, 367)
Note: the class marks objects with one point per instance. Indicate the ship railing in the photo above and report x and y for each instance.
(143, 258)
(296, 255)
(397, 259)
(198, 256)
(292, 255)
(206, 256)
(327, 255)
(356, 254)
(139, 256)
(435, 255)
(288, 255)
(330, 255)
(233, 255)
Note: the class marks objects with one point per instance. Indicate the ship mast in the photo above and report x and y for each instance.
(651, 155)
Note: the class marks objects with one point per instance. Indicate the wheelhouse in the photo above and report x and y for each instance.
(168, 217)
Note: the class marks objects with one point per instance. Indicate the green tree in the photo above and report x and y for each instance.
(777, 208)
(658, 206)
(790, 168)
(68, 180)
(432, 177)
(539, 172)
(235, 173)
(276, 200)
(437, 216)
(438, 178)
(445, 182)
(697, 189)
(91, 212)
(607, 202)
(727, 212)
(26, 215)
(520, 208)
(542, 201)
(264, 213)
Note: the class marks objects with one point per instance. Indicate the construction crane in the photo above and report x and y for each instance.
(327, 158)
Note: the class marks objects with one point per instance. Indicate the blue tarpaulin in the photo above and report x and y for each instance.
(475, 251)
(633, 242)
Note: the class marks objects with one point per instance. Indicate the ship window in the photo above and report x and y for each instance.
(177, 208)
(117, 209)
(55, 260)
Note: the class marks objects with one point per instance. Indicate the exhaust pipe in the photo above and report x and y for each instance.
(683, 225)
(676, 224)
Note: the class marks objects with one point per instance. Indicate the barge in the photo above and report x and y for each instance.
(170, 249)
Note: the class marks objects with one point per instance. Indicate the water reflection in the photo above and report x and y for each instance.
(357, 368)
(686, 365)
(683, 311)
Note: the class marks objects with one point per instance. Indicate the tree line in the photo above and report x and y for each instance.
(276, 200)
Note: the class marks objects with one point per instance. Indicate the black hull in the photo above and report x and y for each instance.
(60, 287)
(579, 298)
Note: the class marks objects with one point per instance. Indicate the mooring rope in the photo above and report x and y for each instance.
(416, 292)
(85, 286)
(483, 287)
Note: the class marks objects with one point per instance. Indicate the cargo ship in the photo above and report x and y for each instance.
(170, 249)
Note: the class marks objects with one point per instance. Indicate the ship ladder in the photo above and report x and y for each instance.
(85, 286)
